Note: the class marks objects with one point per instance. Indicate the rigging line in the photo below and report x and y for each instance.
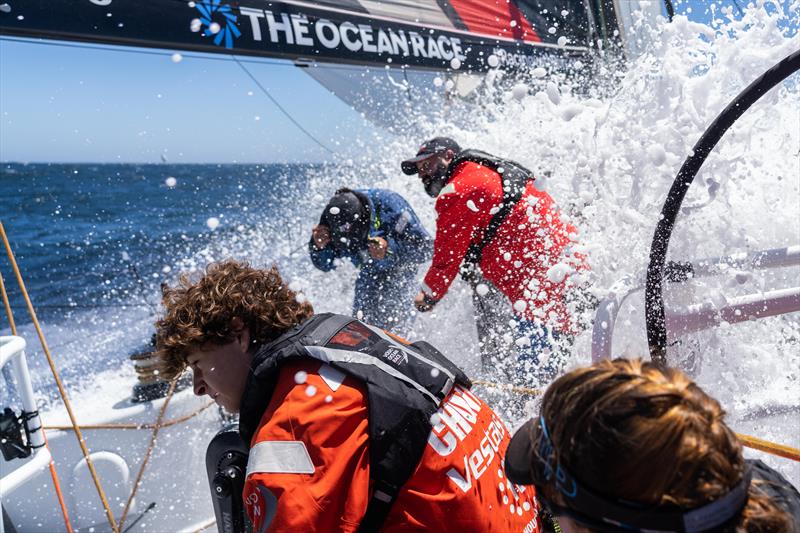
(142, 285)
(9, 313)
(279, 106)
(166, 51)
(741, 12)
(150, 447)
(88, 306)
(52, 465)
(62, 391)
(131, 50)
(670, 9)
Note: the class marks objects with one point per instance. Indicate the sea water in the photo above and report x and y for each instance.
(95, 242)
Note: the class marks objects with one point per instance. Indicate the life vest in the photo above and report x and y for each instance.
(778, 488)
(515, 178)
(406, 383)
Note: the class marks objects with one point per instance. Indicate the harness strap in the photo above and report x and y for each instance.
(514, 178)
(328, 326)
(383, 496)
(405, 385)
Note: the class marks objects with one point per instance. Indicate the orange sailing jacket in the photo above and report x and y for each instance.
(309, 467)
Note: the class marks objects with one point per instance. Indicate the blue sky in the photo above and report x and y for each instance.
(62, 103)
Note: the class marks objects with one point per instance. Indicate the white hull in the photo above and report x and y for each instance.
(174, 479)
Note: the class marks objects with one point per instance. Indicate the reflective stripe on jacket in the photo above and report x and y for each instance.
(309, 467)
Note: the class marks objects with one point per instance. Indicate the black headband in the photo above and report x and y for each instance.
(603, 514)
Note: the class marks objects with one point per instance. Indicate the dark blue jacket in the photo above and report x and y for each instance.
(392, 219)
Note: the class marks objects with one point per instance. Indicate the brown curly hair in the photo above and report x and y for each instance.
(201, 311)
(632, 431)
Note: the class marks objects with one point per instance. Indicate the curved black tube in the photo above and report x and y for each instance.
(654, 300)
(670, 9)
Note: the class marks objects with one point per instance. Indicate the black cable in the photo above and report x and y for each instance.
(88, 306)
(279, 106)
(654, 298)
(142, 286)
(130, 50)
(209, 56)
(670, 9)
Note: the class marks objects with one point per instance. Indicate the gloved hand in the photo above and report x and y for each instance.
(321, 236)
(423, 302)
(377, 247)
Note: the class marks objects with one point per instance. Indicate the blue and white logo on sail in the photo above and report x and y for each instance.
(217, 19)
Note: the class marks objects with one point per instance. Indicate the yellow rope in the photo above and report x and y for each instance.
(781, 450)
(8, 306)
(512, 388)
(168, 423)
(207, 525)
(149, 451)
(52, 466)
(57, 378)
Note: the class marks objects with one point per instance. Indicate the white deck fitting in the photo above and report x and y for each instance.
(12, 350)
(175, 478)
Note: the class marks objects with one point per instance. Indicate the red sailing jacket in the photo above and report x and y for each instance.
(309, 469)
(530, 257)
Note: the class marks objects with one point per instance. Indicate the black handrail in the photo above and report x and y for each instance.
(654, 298)
(670, 9)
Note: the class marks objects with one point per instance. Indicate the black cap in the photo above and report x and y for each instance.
(518, 463)
(346, 216)
(434, 146)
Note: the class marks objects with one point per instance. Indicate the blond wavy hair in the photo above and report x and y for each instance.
(201, 311)
(629, 430)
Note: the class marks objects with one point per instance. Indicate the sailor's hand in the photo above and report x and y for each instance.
(423, 302)
(321, 236)
(377, 247)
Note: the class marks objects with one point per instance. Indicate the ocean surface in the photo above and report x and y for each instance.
(87, 235)
(95, 242)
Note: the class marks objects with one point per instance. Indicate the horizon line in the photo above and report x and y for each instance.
(162, 163)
